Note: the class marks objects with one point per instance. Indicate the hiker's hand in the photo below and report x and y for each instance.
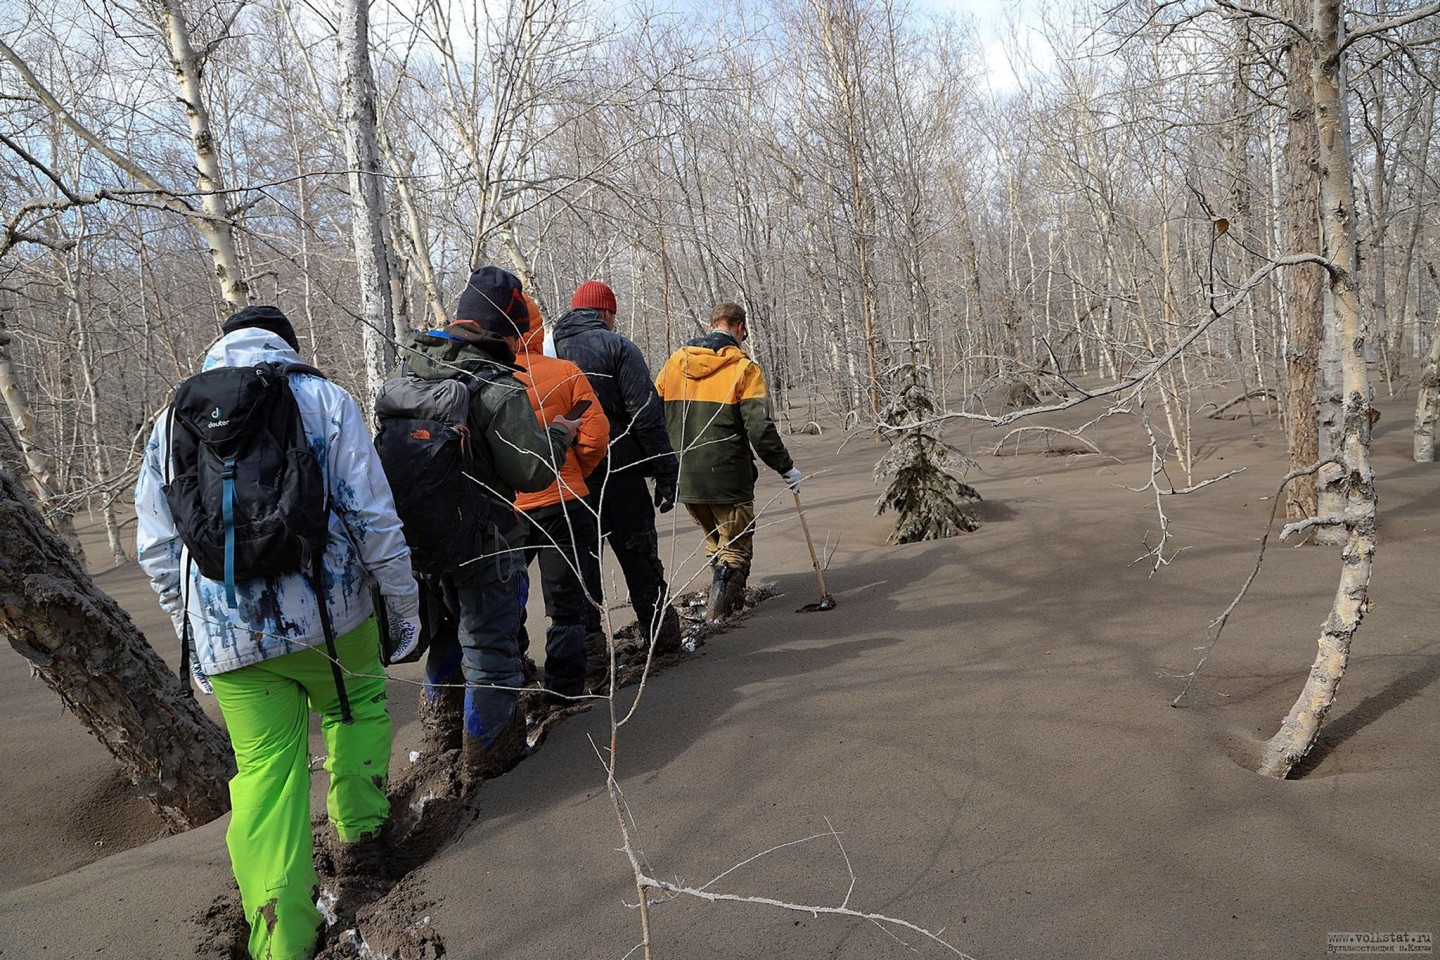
(664, 495)
(201, 681)
(792, 478)
(404, 638)
(571, 428)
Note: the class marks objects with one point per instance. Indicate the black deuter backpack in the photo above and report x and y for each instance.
(247, 494)
(436, 468)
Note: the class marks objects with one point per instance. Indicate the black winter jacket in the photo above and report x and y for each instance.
(617, 371)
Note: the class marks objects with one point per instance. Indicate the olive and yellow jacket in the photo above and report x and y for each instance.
(718, 415)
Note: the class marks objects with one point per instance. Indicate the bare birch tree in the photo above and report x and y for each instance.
(42, 471)
(369, 223)
(212, 218)
(215, 225)
(1325, 32)
(85, 648)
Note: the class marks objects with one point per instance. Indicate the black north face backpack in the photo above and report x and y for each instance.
(246, 492)
(436, 469)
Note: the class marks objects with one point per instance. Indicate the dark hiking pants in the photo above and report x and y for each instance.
(566, 541)
(627, 522)
(472, 617)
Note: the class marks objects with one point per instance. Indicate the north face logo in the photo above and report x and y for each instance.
(421, 434)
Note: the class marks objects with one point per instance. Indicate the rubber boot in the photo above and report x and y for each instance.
(720, 596)
(529, 669)
(597, 662)
(735, 593)
(372, 857)
(667, 635)
(487, 756)
(441, 719)
(365, 870)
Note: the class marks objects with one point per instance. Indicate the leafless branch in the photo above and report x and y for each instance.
(1218, 624)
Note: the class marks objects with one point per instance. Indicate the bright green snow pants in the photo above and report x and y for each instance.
(269, 837)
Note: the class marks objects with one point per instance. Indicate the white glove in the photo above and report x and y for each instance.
(404, 637)
(201, 681)
(792, 479)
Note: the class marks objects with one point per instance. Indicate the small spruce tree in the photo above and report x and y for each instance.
(929, 502)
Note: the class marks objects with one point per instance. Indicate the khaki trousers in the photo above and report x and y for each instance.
(729, 530)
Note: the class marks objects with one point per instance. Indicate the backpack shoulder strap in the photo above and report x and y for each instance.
(169, 452)
(476, 383)
(297, 422)
(286, 369)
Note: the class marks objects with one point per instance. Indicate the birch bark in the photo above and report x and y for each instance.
(1356, 482)
(215, 226)
(42, 470)
(1427, 405)
(368, 220)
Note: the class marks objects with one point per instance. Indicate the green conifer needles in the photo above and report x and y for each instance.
(929, 503)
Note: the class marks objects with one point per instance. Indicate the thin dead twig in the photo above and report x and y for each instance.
(814, 910)
(1218, 624)
(1157, 469)
(995, 452)
(1255, 394)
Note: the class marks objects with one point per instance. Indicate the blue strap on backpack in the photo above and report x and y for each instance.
(227, 497)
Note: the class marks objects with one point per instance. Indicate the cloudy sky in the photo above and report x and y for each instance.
(993, 19)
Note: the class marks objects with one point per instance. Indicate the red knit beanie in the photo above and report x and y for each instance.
(593, 294)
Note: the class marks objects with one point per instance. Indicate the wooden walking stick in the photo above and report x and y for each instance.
(827, 602)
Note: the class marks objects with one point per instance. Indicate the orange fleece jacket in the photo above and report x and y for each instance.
(554, 386)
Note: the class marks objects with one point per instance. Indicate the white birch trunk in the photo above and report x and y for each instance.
(71, 270)
(1427, 405)
(367, 196)
(1331, 481)
(1298, 731)
(215, 226)
(1330, 409)
(42, 471)
(422, 265)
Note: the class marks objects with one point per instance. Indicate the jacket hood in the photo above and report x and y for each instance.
(699, 362)
(532, 347)
(457, 349)
(578, 321)
(249, 345)
(533, 341)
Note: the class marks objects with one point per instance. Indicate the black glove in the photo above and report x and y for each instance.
(664, 495)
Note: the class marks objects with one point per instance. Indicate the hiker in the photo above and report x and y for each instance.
(458, 438)
(558, 527)
(264, 641)
(719, 418)
(639, 448)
